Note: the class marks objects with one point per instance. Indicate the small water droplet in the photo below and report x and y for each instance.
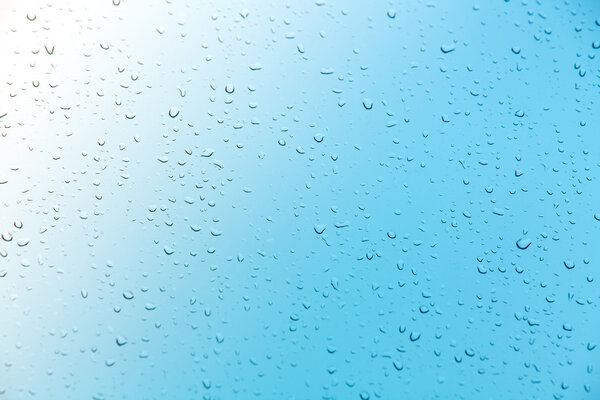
(569, 264)
(173, 112)
(319, 228)
(447, 48)
(523, 243)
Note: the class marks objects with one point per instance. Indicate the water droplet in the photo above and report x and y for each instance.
(168, 250)
(523, 243)
(447, 48)
(319, 228)
(173, 112)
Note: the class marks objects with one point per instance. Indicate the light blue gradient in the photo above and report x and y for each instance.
(348, 200)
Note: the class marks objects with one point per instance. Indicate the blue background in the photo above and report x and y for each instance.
(334, 200)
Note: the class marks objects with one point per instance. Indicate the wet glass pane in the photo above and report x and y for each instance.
(305, 200)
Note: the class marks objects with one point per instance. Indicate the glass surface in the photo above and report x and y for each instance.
(304, 200)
